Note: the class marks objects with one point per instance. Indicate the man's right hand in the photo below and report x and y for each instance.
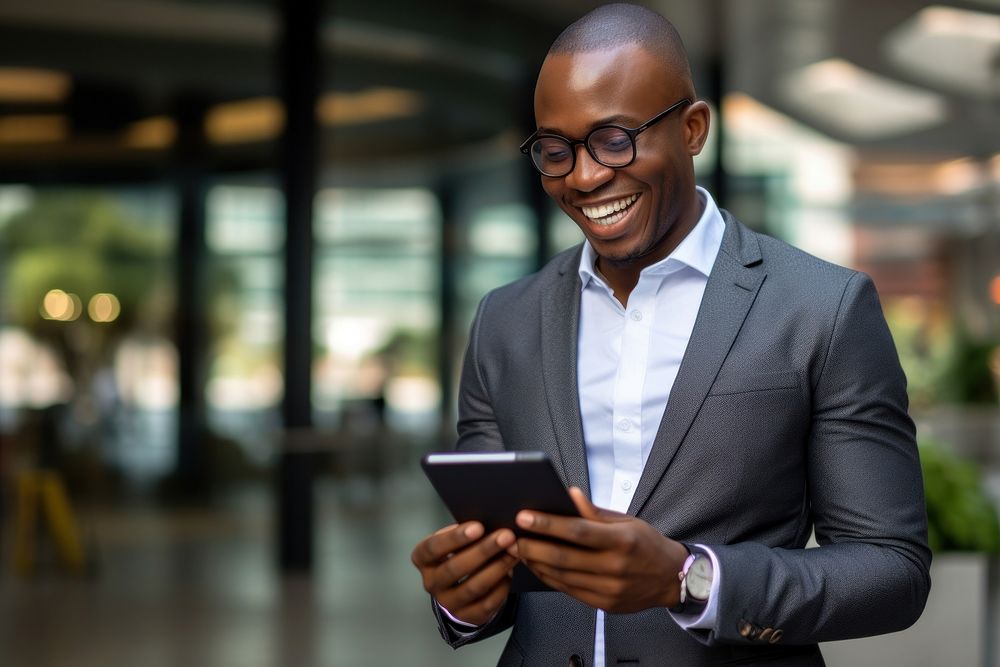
(468, 574)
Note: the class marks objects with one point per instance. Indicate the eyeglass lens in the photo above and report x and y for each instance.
(611, 146)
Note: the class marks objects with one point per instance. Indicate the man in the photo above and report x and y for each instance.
(712, 394)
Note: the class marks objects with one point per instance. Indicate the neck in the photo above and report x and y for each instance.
(622, 277)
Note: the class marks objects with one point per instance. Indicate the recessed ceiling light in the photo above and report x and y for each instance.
(27, 85)
(256, 119)
(860, 104)
(33, 129)
(952, 49)
(156, 132)
(368, 106)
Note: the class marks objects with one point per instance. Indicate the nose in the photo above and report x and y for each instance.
(588, 174)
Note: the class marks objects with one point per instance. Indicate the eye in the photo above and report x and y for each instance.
(612, 141)
(552, 150)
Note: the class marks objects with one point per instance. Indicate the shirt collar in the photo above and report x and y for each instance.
(697, 250)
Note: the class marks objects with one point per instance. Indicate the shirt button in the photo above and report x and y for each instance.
(636, 315)
(626, 485)
(624, 425)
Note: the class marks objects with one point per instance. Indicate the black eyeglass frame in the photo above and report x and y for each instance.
(632, 133)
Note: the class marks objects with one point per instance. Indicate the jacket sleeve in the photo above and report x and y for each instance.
(870, 573)
(477, 431)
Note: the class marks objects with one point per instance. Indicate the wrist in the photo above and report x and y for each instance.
(695, 583)
(675, 563)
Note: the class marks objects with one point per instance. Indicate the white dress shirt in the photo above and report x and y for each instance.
(627, 361)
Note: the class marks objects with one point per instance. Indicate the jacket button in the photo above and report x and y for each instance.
(776, 636)
(575, 661)
(744, 629)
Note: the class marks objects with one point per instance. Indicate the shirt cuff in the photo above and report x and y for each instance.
(459, 627)
(705, 620)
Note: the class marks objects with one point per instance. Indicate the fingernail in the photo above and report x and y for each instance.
(505, 539)
(525, 519)
(473, 531)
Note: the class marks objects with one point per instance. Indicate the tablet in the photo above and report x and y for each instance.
(493, 487)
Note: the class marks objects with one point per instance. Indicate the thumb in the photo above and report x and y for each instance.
(589, 510)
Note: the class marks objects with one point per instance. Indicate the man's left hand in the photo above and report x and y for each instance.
(611, 561)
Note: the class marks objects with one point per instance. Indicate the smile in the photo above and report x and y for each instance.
(609, 214)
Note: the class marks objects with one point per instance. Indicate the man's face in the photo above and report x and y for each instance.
(655, 197)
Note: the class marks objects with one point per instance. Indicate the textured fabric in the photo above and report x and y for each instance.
(788, 412)
(627, 361)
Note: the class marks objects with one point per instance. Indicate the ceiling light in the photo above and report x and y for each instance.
(258, 119)
(367, 106)
(954, 49)
(33, 129)
(157, 132)
(858, 103)
(25, 85)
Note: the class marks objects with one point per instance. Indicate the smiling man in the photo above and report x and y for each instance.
(713, 395)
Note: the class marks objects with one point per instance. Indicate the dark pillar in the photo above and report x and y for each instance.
(298, 78)
(190, 479)
(720, 180)
(448, 300)
(716, 92)
(535, 196)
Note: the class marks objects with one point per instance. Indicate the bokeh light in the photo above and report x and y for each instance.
(61, 306)
(104, 307)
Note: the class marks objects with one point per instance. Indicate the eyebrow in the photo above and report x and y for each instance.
(618, 119)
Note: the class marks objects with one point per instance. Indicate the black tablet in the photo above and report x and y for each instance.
(493, 487)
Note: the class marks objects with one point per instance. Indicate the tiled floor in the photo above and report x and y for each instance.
(200, 588)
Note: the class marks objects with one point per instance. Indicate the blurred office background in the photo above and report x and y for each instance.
(241, 242)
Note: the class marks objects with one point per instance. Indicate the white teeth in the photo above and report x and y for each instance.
(608, 214)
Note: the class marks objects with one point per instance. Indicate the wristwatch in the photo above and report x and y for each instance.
(696, 583)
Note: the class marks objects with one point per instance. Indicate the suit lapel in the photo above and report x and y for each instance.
(559, 322)
(730, 292)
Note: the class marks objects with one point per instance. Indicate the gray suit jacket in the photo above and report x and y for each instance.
(788, 414)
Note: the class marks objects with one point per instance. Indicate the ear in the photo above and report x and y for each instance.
(697, 119)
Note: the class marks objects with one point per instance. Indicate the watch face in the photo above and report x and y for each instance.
(699, 578)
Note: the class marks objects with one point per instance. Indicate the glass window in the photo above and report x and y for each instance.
(245, 236)
(376, 315)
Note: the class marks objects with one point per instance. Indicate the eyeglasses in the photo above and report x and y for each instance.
(610, 145)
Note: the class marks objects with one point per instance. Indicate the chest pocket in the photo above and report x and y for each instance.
(742, 383)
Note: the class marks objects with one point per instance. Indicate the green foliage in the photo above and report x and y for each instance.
(967, 379)
(944, 363)
(960, 514)
(84, 242)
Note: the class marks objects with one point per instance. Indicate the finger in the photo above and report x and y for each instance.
(484, 608)
(468, 562)
(575, 530)
(558, 583)
(450, 526)
(586, 508)
(579, 581)
(482, 592)
(589, 510)
(560, 556)
(445, 541)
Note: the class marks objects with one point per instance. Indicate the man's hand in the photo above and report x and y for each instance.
(613, 561)
(468, 574)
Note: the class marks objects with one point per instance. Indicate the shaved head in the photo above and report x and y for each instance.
(615, 25)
